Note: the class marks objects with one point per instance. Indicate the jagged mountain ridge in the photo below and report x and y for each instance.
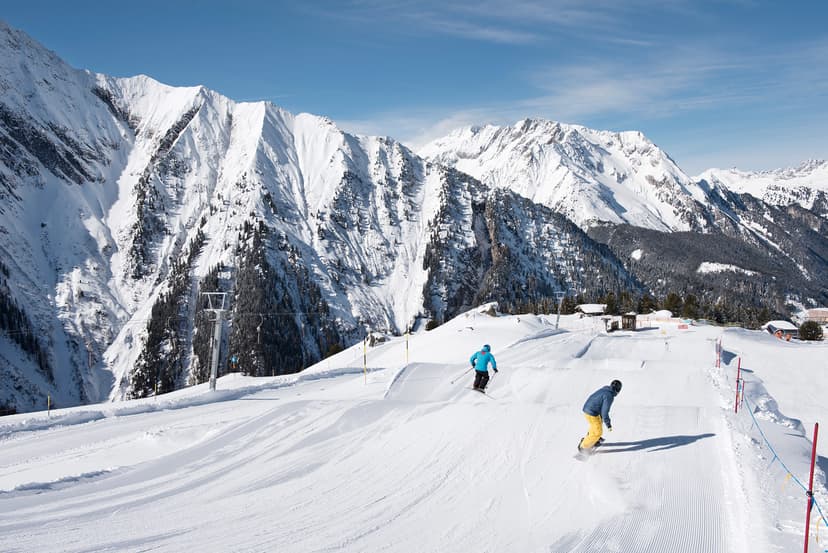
(629, 194)
(590, 176)
(602, 177)
(123, 199)
(806, 185)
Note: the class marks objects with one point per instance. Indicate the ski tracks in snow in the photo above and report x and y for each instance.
(418, 463)
(663, 469)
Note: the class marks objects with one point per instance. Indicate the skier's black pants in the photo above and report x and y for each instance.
(481, 379)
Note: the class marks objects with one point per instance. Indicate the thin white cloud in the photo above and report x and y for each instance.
(476, 31)
(631, 94)
(508, 21)
(417, 127)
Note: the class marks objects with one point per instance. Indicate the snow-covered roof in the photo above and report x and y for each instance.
(592, 308)
(780, 325)
(488, 308)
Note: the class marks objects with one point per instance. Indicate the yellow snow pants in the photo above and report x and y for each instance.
(596, 428)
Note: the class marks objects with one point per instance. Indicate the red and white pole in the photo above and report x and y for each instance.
(810, 492)
(738, 381)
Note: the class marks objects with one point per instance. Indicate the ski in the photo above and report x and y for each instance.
(481, 391)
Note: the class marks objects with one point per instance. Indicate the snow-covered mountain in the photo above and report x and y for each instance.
(585, 174)
(59, 152)
(124, 199)
(630, 195)
(806, 185)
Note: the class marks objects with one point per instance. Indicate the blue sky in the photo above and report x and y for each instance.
(714, 83)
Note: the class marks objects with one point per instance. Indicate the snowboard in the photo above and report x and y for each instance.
(585, 454)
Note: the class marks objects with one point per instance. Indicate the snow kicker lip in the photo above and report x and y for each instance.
(60, 483)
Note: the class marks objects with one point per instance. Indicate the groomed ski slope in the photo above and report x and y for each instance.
(401, 459)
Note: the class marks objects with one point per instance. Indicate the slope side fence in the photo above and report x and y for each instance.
(752, 408)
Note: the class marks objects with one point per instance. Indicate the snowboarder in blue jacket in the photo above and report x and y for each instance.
(480, 361)
(596, 411)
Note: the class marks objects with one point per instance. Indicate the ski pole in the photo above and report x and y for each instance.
(464, 373)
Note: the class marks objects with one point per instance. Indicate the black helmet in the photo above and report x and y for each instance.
(487, 348)
(615, 385)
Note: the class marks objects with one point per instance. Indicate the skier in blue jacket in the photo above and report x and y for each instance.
(480, 361)
(596, 411)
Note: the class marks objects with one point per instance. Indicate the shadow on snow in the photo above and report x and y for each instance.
(654, 444)
(822, 462)
(727, 356)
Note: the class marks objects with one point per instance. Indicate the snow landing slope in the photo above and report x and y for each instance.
(404, 457)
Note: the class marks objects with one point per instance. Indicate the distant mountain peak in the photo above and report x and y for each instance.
(587, 174)
(805, 185)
